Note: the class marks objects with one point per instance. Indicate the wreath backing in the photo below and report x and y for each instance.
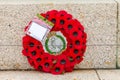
(65, 61)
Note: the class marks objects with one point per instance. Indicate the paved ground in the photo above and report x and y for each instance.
(75, 75)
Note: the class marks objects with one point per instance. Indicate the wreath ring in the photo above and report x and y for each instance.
(72, 52)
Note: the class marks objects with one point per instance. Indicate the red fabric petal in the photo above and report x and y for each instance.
(47, 65)
(57, 69)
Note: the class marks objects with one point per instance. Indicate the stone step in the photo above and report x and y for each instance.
(33, 75)
(75, 75)
(99, 18)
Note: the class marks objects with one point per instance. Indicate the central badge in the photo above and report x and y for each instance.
(55, 43)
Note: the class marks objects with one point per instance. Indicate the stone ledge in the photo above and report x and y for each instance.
(34, 75)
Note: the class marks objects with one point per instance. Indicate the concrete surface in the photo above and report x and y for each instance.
(33, 75)
(12, 58)
(75, 75)
(99, 57)
(109, 74)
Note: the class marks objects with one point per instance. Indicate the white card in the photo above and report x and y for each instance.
(37, 31)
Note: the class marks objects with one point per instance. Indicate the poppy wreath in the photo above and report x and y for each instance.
(72, 52)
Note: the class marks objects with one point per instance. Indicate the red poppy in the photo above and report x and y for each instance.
(69, 69)
(79, 25)
(61, 13)
(33, 53)
(71, 25)
(62, 60)
(29, 42)
(25, 41)
(25, 52)
(47, 66)
(31, 61)
(52, 12)
(68, 16)
(44, 15)
(72, 58)
(61, 22)
(79, 58)
(58, 69)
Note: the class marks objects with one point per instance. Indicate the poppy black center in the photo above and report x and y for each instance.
(70, 45)
(62, 22)
(63, 61)
(75, 33)
(78, 57)
(39, 59)
(34, 53)
(47, 16)
(31, 44)
(40, 67)
(46, 64)
(53, 20)
(38, 47)
(26, 50)
(75, 51)
(71, 59)
(57, 69)
(77, 42)
(70, 26)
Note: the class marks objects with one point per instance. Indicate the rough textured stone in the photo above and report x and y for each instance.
(33, 75)
(53, 1)
(99, 57)
(12, 58)
(109, 74)
(95, 57)
(98, 18)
